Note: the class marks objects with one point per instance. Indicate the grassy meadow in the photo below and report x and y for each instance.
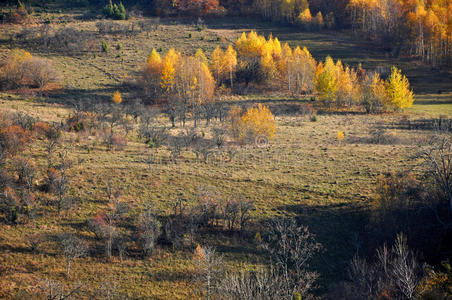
(305, 171)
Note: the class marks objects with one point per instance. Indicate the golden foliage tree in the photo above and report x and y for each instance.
(305, 18)
(217, 64)
(257, 121)
(168, 70)
(117, 98)
(152, 73)
(398, 89)
(374, 96)
(326, 83)
(230, 62)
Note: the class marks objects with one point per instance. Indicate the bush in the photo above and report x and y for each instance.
(13, 71)
(41, 72)
(21, 69)
(104, 46)
(13, 140)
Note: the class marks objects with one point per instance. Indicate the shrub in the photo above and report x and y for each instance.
(13, 68)
(104, 46)
(21, 69)
(41, 72)
(13, 140)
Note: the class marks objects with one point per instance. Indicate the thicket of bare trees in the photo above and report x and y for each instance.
(21, 69)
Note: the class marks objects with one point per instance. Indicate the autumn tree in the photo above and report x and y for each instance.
(20, 68)
(305, 18)
(374, 96)
(326, 82)
(201, 56)
(256, 121)
(217, 64)
(152, 72)
(230, 62)
(116, 98)
(13, 69)
(317, 21)
(168, 70)
(348, 92)
(398, 89)
(301, 72)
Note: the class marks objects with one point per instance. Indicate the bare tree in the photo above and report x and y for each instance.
(53, 135)
(61, 187)
(149, 231)
(209, 268)
(395, 271)
(231, 212)
(245, 208)
(26, 171)
(108, 229)
(72, 248)
(291, 247)
(261, 284)
(438, 157)
(55, 290)
(121, 244)
(41, 72)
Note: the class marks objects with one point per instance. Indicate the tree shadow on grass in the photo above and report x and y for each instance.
(336, 227)
(72, 95)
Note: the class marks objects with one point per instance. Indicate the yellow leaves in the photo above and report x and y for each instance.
(340, 135)
(168, 69)
(259, 121)
(378, 88)
(199, 254)
(250, 45)
(117, 98)
(20, 56)
(154, 63)
(326, 84)
(256, 121)
(217, 64)
(305, 17)
(398, 90)
(201, 56)
(206, 83)
(167, 76)
(230, 58)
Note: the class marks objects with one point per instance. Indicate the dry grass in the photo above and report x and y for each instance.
(305, 171)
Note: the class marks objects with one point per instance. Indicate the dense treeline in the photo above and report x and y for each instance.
(422, 28)
(186, 82)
